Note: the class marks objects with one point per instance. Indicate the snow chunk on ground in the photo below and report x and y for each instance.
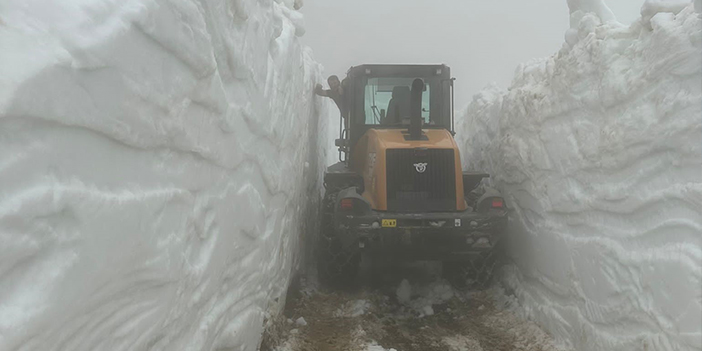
(422, 298)
(301, 322)
(376, 347)
(353, 309)
(598, 150)
(152, 194)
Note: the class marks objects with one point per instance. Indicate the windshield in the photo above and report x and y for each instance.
(387, 101)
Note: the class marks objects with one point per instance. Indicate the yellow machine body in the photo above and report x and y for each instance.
(368, 159)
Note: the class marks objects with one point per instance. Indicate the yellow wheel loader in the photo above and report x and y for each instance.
(398, 191)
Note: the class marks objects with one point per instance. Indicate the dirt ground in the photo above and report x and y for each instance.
(420, 313)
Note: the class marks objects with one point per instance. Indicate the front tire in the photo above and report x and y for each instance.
(336, 265)
(474, 274)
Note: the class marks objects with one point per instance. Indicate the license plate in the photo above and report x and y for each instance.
(389, 223)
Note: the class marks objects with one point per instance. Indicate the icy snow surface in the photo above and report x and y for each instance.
(376, 347)
(578, 8)
(158, 162)
(651, 8)
(598, 151)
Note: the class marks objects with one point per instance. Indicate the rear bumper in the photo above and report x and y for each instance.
(446, 236)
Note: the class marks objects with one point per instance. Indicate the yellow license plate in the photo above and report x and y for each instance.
(389, 223)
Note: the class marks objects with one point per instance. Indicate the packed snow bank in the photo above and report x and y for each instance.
(598, 152)
(158, 162)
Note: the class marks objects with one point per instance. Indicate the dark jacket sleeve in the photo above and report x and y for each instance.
(322, 92)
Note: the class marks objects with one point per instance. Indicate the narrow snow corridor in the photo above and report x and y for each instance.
(162, 171)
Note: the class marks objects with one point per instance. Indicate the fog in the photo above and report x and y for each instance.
(482, 41)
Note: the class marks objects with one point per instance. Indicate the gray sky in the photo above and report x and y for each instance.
(482, 41)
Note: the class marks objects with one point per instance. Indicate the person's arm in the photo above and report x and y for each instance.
(320, 91)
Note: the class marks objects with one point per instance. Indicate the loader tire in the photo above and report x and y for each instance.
(336, 266)
(475, 274)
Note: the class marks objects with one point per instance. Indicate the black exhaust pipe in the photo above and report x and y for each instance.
(415, 128)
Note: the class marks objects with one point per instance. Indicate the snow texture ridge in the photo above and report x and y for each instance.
(597, 150)
(158, 162)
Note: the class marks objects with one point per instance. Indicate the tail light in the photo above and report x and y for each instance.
(498, 202)
(346, 204)
(353, 205)
(491, 203)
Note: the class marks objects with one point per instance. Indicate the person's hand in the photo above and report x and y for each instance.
(318, 89)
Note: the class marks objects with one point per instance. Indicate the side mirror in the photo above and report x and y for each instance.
(382, 115)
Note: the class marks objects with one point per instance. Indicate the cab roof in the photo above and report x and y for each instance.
(400, 70)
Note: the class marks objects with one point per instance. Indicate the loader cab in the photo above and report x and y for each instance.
(379, 97)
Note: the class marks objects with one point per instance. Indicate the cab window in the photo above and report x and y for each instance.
(387, 101)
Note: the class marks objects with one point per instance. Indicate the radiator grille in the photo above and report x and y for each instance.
(409, 190)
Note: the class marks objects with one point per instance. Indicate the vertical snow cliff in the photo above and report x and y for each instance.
(158, 162)
(598, 151)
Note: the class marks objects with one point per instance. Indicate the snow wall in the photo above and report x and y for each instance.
(158, 166)
(598, 150)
